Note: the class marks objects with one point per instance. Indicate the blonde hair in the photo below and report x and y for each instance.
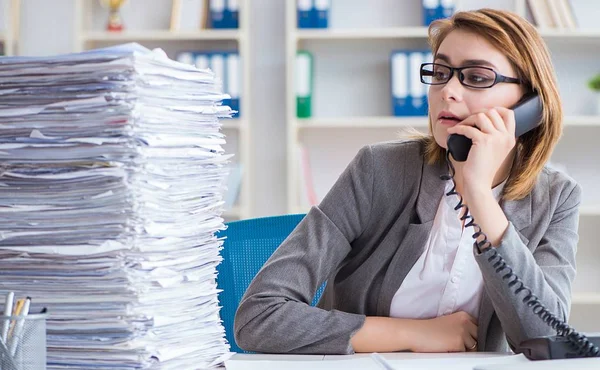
(529, 56)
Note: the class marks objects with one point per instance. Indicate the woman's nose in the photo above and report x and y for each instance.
(453, 89)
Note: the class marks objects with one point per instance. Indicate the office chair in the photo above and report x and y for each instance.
(248, 245)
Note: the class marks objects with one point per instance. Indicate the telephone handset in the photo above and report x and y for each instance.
(528, 115)
(568, 343)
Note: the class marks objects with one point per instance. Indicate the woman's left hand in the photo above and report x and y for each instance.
(493, 136)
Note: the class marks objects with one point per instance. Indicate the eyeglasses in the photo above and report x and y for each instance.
(475, 77)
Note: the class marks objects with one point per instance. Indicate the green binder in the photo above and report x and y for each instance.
(304, 84)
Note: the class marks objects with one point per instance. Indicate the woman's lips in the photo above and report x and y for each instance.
(448, 121)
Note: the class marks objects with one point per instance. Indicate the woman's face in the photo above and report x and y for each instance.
(460, 49)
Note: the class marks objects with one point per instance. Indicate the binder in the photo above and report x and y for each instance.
(233, 81)
(557, 14)
(430, 11)
(565, 10)
(217, 65)
(185, 57)
(399, 73)
(217, 14)
(304, 9)
(201, 60)
(320, 13)
(418, 98)
(232, 14)
(304, 84)
(188, 15)
(446, 8)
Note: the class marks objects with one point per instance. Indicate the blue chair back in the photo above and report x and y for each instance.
(248, 245)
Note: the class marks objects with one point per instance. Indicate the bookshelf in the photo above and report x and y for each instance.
(9, 36)
(90, 33)
(160, 35)
(421, 32)
(401, 122)
(353, 55)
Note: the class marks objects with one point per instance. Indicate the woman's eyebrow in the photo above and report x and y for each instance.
(468, 62)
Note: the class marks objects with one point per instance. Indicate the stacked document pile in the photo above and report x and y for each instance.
(111, 181)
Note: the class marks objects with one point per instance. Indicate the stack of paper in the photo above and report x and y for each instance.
(111, 180)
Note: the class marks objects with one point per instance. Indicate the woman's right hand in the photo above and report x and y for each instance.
(456, 332)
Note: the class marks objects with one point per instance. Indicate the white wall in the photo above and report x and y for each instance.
(46, 27)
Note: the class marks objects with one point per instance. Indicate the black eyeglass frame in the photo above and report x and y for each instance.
(461, 77)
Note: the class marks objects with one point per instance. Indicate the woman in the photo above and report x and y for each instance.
(401, 268)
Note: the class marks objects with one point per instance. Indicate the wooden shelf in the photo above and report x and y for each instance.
(362, 33)
(582, 121)
(362, 122)
(416, 121)
(586, 298)
(589, 211)
(420, 33)
(209, 34)
(552, 33)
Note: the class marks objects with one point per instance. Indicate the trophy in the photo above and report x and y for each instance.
(115, 23)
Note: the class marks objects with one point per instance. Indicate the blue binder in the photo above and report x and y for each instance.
(217, 14)
(304, 11)
(417, 90)
(232, 14)
(431, 11)
(446, 8)
(399, 83)
(409, 94)
(320, 13)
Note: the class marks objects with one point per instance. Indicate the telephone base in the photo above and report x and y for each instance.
(551, 347)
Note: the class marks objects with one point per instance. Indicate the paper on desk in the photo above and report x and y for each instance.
(111, 178)
(366, 363)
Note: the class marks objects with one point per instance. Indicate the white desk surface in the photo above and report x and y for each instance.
(390, 356)
(407, 356)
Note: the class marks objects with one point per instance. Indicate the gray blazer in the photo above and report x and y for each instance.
(368, 232)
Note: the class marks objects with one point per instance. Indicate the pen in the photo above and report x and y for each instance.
(19, 327)
(382, 362)
(7, 311)
(16, 312)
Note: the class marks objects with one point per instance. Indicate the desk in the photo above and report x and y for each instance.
(437, 361)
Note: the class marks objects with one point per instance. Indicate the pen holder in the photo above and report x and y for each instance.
(25, 347)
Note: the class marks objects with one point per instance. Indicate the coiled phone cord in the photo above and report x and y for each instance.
(583, 346)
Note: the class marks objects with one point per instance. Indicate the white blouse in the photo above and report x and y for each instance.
(446, 278)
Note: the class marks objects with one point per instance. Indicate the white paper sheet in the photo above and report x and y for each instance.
(111, 182)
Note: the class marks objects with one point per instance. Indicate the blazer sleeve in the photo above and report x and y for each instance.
(548, 271)
(274, 314)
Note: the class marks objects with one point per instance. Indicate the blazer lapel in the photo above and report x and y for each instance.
(412, 245)
(431, 191)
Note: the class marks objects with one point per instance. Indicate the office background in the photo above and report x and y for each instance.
(351, 93)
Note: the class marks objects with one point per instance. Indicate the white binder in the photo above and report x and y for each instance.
(201, 61)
